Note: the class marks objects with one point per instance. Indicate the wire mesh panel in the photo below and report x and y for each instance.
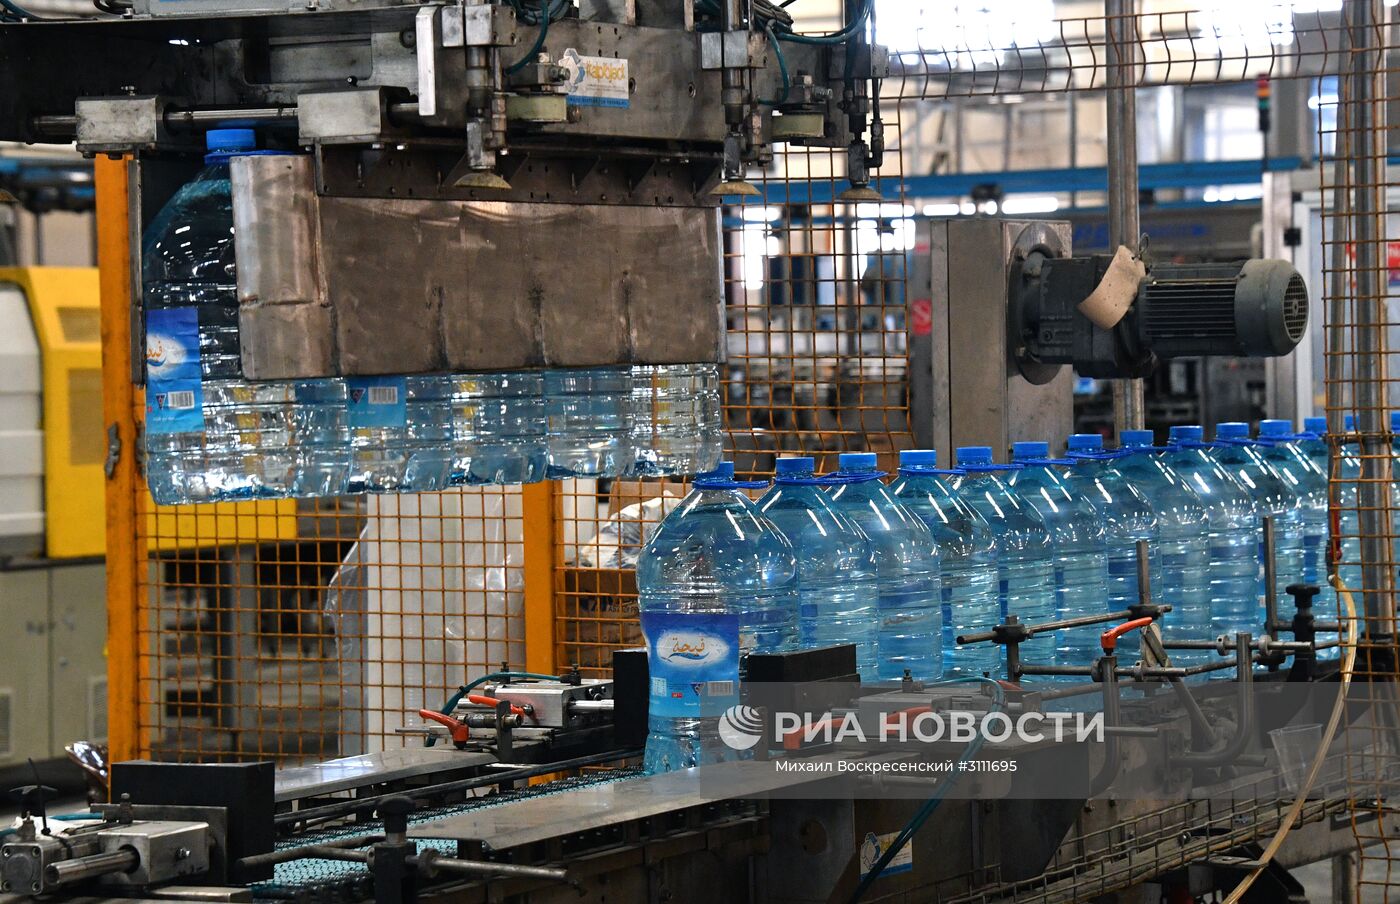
(1360, 233)
(319, 629)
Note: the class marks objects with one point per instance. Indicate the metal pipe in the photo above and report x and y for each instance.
(1287, 646)
(1136, 672)
(1059, 625)
(272, 858)
(209, 116)
(80, 869)
(1270, 574)
(592, 706)
(490, 867)
(1120, 36)
(1364, 92)
(1244, 730)
(65, 126)
(1059, 692)
(1112, 752)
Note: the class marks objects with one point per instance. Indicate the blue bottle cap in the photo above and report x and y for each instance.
(1275, 427)
(795, 464)
(1349, 422)
(1085, 442)
(1187, 433)
(1021, 451)
(924, 458)
(1135, 439)
(856, 461)
(230, 141)
(723, 471)
(1316, 425)
(1395, 422)
(1231, 430)
(973, 455)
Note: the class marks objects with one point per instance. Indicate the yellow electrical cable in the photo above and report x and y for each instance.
(1348, 665)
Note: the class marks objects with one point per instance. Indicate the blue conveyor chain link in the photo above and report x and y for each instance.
(308, 875)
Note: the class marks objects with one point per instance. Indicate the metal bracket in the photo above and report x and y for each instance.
(733, 50)
(484, 25)
(114, 450)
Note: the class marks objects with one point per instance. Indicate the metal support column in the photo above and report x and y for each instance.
(1123, 228)
(115, 237)
(1364, 95)
(539, 511)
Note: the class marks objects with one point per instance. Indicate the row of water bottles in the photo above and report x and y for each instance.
(900, 570)
(212, 436)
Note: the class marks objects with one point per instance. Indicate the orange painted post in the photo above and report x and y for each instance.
(539, 506)
(118, 409)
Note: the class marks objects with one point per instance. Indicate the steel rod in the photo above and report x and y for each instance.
(1061, 624)
(1120, 36)
(272, 858)
(79, 869)
(490, 867)
(1270, 573)
(1365, 94)
(1244, 729)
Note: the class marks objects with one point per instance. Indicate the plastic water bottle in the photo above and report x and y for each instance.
(1395, 485)
(1239, 455)
(967, 562)
(1311, 442)
(1025, 564)
(1312, 445)
(1233, 532)
(676, 422)
(187, 260)
(1349, 513)
(377, 418)
(499, 431)
(1181, 567)
(1079, 543)
(1278, 445)
(590, 421)
(321, 429)
(209, 436)
(243, 450)
(907, 570)
(717, 581)
(840, 603)
(1128, 516)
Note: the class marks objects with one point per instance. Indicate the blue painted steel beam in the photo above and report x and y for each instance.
(1037, 181)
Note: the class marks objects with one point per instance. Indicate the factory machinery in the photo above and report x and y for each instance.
(1178, 790)
(479, 186)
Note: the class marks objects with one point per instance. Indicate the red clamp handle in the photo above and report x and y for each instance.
(483, 700)
(458, 729)
(1109, 639)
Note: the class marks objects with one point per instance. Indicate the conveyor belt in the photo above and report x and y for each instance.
(301, 877)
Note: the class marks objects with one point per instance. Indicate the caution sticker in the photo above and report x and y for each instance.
(596, 81)
(873, 846)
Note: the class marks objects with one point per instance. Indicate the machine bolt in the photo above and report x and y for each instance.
(34, 887)
(182, 854)
(5, 853)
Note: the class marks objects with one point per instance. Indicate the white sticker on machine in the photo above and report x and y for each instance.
(873, 846)
(596, 81)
